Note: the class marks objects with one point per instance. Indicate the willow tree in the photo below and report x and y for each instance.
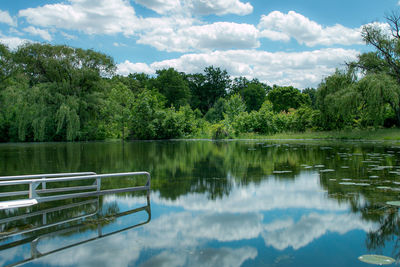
(61, 93)
(334, 99)
(385, 60)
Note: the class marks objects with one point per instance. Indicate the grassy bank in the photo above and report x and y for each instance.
(365, 134)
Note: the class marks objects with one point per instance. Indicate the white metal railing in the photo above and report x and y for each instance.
(81, 224)
(34, 193)
(44, 214)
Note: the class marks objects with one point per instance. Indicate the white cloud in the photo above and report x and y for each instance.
(221, 7)
(278, 26)
(302, 193)
(68, 36)
(13, 42)
(207, 257)
(89, 16)
(197, 7)
(219, 35)
(162, 6)
(6, 18)
(45, 35)
(287, 233)
(299, 69)
(116, 44)
(127, 67)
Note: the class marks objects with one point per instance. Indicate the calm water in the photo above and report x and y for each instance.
(234, 203)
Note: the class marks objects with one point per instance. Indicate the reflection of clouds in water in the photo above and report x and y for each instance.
(284, 234)
(303, 192)
(207, 257)
(183, 237)
(238, 216)
(8, 255)
(171, 232)
(191, 230)
(120, 250)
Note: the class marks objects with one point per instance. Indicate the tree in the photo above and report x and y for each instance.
(254, 95)
(118, 108)
(334, 113)
(385, 60)
(7, 65)
(145, 111)
(284, 98)
(216, 113)
(387, 55)
(58, 91)
(208, 88)
(312, 94)
(173, 86)
(233, 107)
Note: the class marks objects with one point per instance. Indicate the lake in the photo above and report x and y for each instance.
(212, 203)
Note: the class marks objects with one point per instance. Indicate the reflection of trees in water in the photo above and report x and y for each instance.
(213, 168)
(182, 167)
(367, 183)
(177, 167)
(388, 231)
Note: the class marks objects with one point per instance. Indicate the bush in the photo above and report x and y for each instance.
(221, 131)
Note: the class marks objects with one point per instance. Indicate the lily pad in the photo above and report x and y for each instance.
(327, 170)
(362, 184)
(376, 259)
(347, 183)
(393, 203)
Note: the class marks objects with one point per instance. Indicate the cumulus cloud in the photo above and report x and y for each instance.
(221, 7)
(6, 18)
(162, 6)
(68, 36)
(88, 16)
(216, 36)
(13, 42)
(284, 234)
(299, 69)
(45, 35)
(302, 193)
(127, 67)
(169, 233)
(198, 7)
(208, 257)
(278, 26)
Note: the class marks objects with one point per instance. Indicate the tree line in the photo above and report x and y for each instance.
(59, 93)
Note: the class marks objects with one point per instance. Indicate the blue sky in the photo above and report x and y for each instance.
(279, 42)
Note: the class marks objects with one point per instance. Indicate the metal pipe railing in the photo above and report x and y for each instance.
(34, 192)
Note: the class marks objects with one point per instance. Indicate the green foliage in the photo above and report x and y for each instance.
(262, 121)
(312, 94)
(328, 94)
(284, 98)
(117, 110)
(173, 86)
(55, 93)
(221, 131)
(143, 123)
(254, 96)
(376, 91)
(59, 93)
(216, 113)
(207, 88)
(253, 92)
(233, 107)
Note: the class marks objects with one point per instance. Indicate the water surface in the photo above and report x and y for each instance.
(228, 203)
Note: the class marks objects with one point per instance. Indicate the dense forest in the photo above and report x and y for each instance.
(58, 93)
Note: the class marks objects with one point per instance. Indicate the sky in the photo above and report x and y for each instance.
(282, 42)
